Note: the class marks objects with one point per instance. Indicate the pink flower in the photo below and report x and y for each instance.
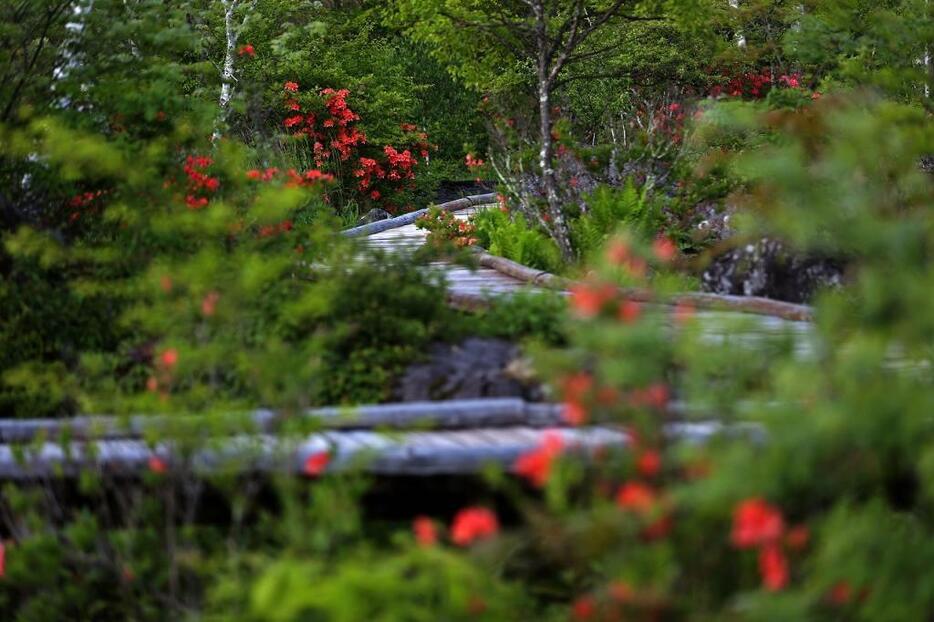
(291, 87)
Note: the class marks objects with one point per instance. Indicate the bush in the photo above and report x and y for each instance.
(509, 235)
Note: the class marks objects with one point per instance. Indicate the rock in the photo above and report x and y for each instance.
(474, 368)
(374, 215)
(769, 269)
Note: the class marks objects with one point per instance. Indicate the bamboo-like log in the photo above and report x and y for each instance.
(447, 452)
(448, 415)
(717, 302)
(414, 454)
(408, 219)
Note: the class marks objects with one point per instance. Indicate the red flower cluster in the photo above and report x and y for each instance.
(473, 524)
(642, 500)
(755, 85)
(420, 139)
(335, 133)
(334, 137)
(576, 389)
(473, 163)
(588, 300)
(81, 202)
(401, 164)
(536, 465)
(247, 50)
(200, 184)
(757, 524)
(444, 228)
(270, 230)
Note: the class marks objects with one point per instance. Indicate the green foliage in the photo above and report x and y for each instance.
(380, 315)
(538, 315)
(423, 585)
(608, 208)
(509, 235)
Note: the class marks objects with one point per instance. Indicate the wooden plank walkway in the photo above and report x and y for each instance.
(461, 281)
(429, 438)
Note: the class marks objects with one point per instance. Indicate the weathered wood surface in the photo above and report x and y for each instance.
(498, 275)
(447, 415)
(462, 282)
(426, 438)
(447, 452)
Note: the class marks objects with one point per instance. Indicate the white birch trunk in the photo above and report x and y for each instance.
(740, 37)
(227, 74)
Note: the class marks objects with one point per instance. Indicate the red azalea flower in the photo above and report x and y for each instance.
(588, 300)
(756, 523)
(649, 463)
(426, 534)
(247, 50)
(209, 303)
(169, 357)
(636, 497)
(841, 593)
(798, 537)
(574, 414)
(157, 465)
(658, 529)
(253, 174)
(316, 463)
(618, 252)
(291, 87)
(577, 385)
(657, 395)
(629, 311)
(664, 249)
(535, 465)
(584, 608)
(773, 567)
(472, 524)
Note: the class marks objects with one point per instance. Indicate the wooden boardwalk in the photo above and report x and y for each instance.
(428, 438)
(461, 281)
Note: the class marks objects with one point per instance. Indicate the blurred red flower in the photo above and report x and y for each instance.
(755, 523)
(472, 524)
(535, 465)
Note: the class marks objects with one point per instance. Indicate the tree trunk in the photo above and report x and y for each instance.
(559, 225)
(227, 75)
(740, 36)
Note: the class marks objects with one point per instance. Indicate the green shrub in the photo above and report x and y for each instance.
(508, 235)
